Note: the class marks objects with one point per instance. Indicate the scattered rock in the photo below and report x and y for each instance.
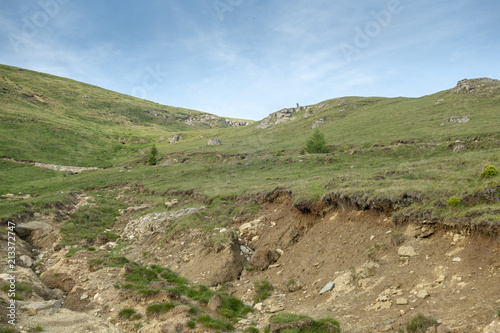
(25, 230)
(27, 276)
(459, 148)
(214, 303)
(401, 301)
(406, 251)
(175, 138)
(318, 123)
(47, 307)
(423, 294)
(214, 142)
(26, 261)
(456, 259)
(456, 120)
(263, 258)
(169, 204)
(294, 285)
(328, 287)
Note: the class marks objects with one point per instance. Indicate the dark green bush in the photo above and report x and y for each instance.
(316, 144)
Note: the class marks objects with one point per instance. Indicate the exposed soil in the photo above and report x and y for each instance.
(384, 273)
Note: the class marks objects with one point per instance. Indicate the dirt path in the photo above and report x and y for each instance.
(56, 167)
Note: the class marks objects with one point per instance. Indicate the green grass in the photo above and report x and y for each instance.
(419, 324)
(129, 314)
(7, 330)
(216, 324)
(157, 309)
(263, 290)
(87, 222)
(323, 325)
(36, 328)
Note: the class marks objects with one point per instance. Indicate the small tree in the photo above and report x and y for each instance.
(316, 144)
(152, 156)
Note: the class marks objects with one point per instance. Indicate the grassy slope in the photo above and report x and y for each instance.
(371, 165)
(56, 120)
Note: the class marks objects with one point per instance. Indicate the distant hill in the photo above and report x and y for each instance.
(53, 119)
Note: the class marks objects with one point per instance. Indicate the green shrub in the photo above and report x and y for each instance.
(252, 330)
(420, 324)
(453, 201)
(316, 144)
(36, 328)
(262, 290)
(489, 171)
(191, 324)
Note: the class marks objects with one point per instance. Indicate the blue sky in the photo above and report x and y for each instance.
(248, 58)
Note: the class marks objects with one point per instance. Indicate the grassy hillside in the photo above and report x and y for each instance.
(404, 151)
(56, 120)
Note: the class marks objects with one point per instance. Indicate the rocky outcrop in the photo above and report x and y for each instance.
(210, 120)
(468, 86)
(175, 138)
(456, 120)
(318, 123)
(214, 142)
(281, 116)
(263, 258)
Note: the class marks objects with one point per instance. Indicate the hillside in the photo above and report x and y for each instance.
(402, 214)
(51, 119)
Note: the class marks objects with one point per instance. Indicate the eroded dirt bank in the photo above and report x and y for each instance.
(383, 273)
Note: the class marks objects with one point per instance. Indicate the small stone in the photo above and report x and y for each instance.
(401, 301)
(258, 307)
(255, 238)
(407, 251)
(329, 286)
(26, 261)
(83, 297)
(456, 259)
(422, 294)
(372, 237)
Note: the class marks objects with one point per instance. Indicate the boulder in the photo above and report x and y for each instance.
(175, 138)
(47, 307)
(318, 123)
(214, 142)
(26, 229)
(406, 251)
(214, 303)
(263, 258)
